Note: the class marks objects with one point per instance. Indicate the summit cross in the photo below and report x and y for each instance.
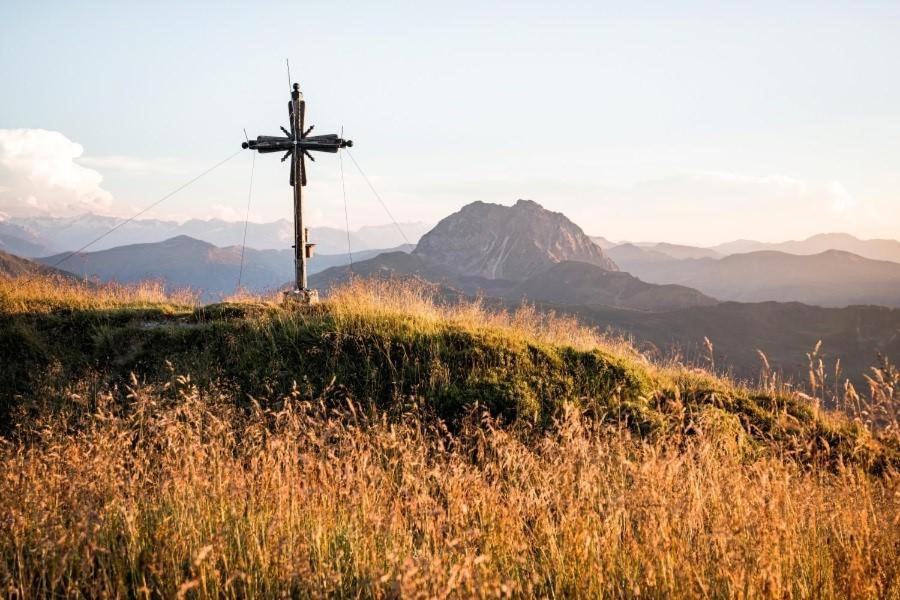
(297, 144)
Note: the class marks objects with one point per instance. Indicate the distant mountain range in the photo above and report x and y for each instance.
(21, 241)
(42, 236)
(832, 278)
(875, 249)
(184, 262)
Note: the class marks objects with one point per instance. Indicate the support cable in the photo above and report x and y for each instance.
(371, 187)
(237, 288)
(346, 209)
(142, 211)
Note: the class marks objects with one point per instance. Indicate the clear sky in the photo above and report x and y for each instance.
(685, 122)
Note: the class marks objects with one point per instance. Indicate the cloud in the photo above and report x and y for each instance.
(39, 175)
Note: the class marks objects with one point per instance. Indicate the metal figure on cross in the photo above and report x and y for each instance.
(297, 144)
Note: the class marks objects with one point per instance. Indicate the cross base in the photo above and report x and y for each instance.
(302, 297)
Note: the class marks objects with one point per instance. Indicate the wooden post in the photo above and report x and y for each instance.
(298, 108)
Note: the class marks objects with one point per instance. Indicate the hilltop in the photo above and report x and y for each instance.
(387, 342)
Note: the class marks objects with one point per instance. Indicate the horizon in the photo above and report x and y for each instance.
(390, 225)
(696, 126)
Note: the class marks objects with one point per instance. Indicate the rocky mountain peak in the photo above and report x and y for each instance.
(508, 242)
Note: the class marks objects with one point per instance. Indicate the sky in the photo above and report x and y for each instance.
(687, 122)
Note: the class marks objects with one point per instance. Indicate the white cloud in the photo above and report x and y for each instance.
(39, 174)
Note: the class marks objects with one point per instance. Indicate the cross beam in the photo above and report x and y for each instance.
(297, 144)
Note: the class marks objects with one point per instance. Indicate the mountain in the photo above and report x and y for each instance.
(682, 252)
(62, 234)
(602, 241)
(16, 266)
(519, 252)
(50, 234)
(785, 332)
(21, 241)
(184, 262)
(628, 255)
(832, 278)
(508, 242)
(320, 262)
(585, 284)
(739, 247)
(567, 282)
(874, 249)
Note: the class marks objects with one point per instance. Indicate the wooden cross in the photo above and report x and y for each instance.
(297, 144)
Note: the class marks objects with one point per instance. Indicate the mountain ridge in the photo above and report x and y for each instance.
(42, 236)
(832, 278)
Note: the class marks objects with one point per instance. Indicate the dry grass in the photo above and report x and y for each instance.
(178, 491)
(48, 292)
(368, 300)
(180, 494)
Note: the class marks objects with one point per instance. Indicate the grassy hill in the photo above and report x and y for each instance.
(381, 443)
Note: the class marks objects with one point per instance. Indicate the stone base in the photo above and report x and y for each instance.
(303, 297)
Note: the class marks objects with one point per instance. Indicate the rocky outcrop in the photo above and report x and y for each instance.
(508, 242)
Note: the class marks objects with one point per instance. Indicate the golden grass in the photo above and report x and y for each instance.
(179, 492)
(186, 495)
(42, 293)
(368, 300)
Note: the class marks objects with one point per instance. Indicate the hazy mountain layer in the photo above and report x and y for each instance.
(582, 283)
(21, 241)
(875, 249)
(46, 235)
(832, 278)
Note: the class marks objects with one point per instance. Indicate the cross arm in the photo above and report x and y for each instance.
(316, 143)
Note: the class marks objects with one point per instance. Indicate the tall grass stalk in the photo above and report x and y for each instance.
(179, 493)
